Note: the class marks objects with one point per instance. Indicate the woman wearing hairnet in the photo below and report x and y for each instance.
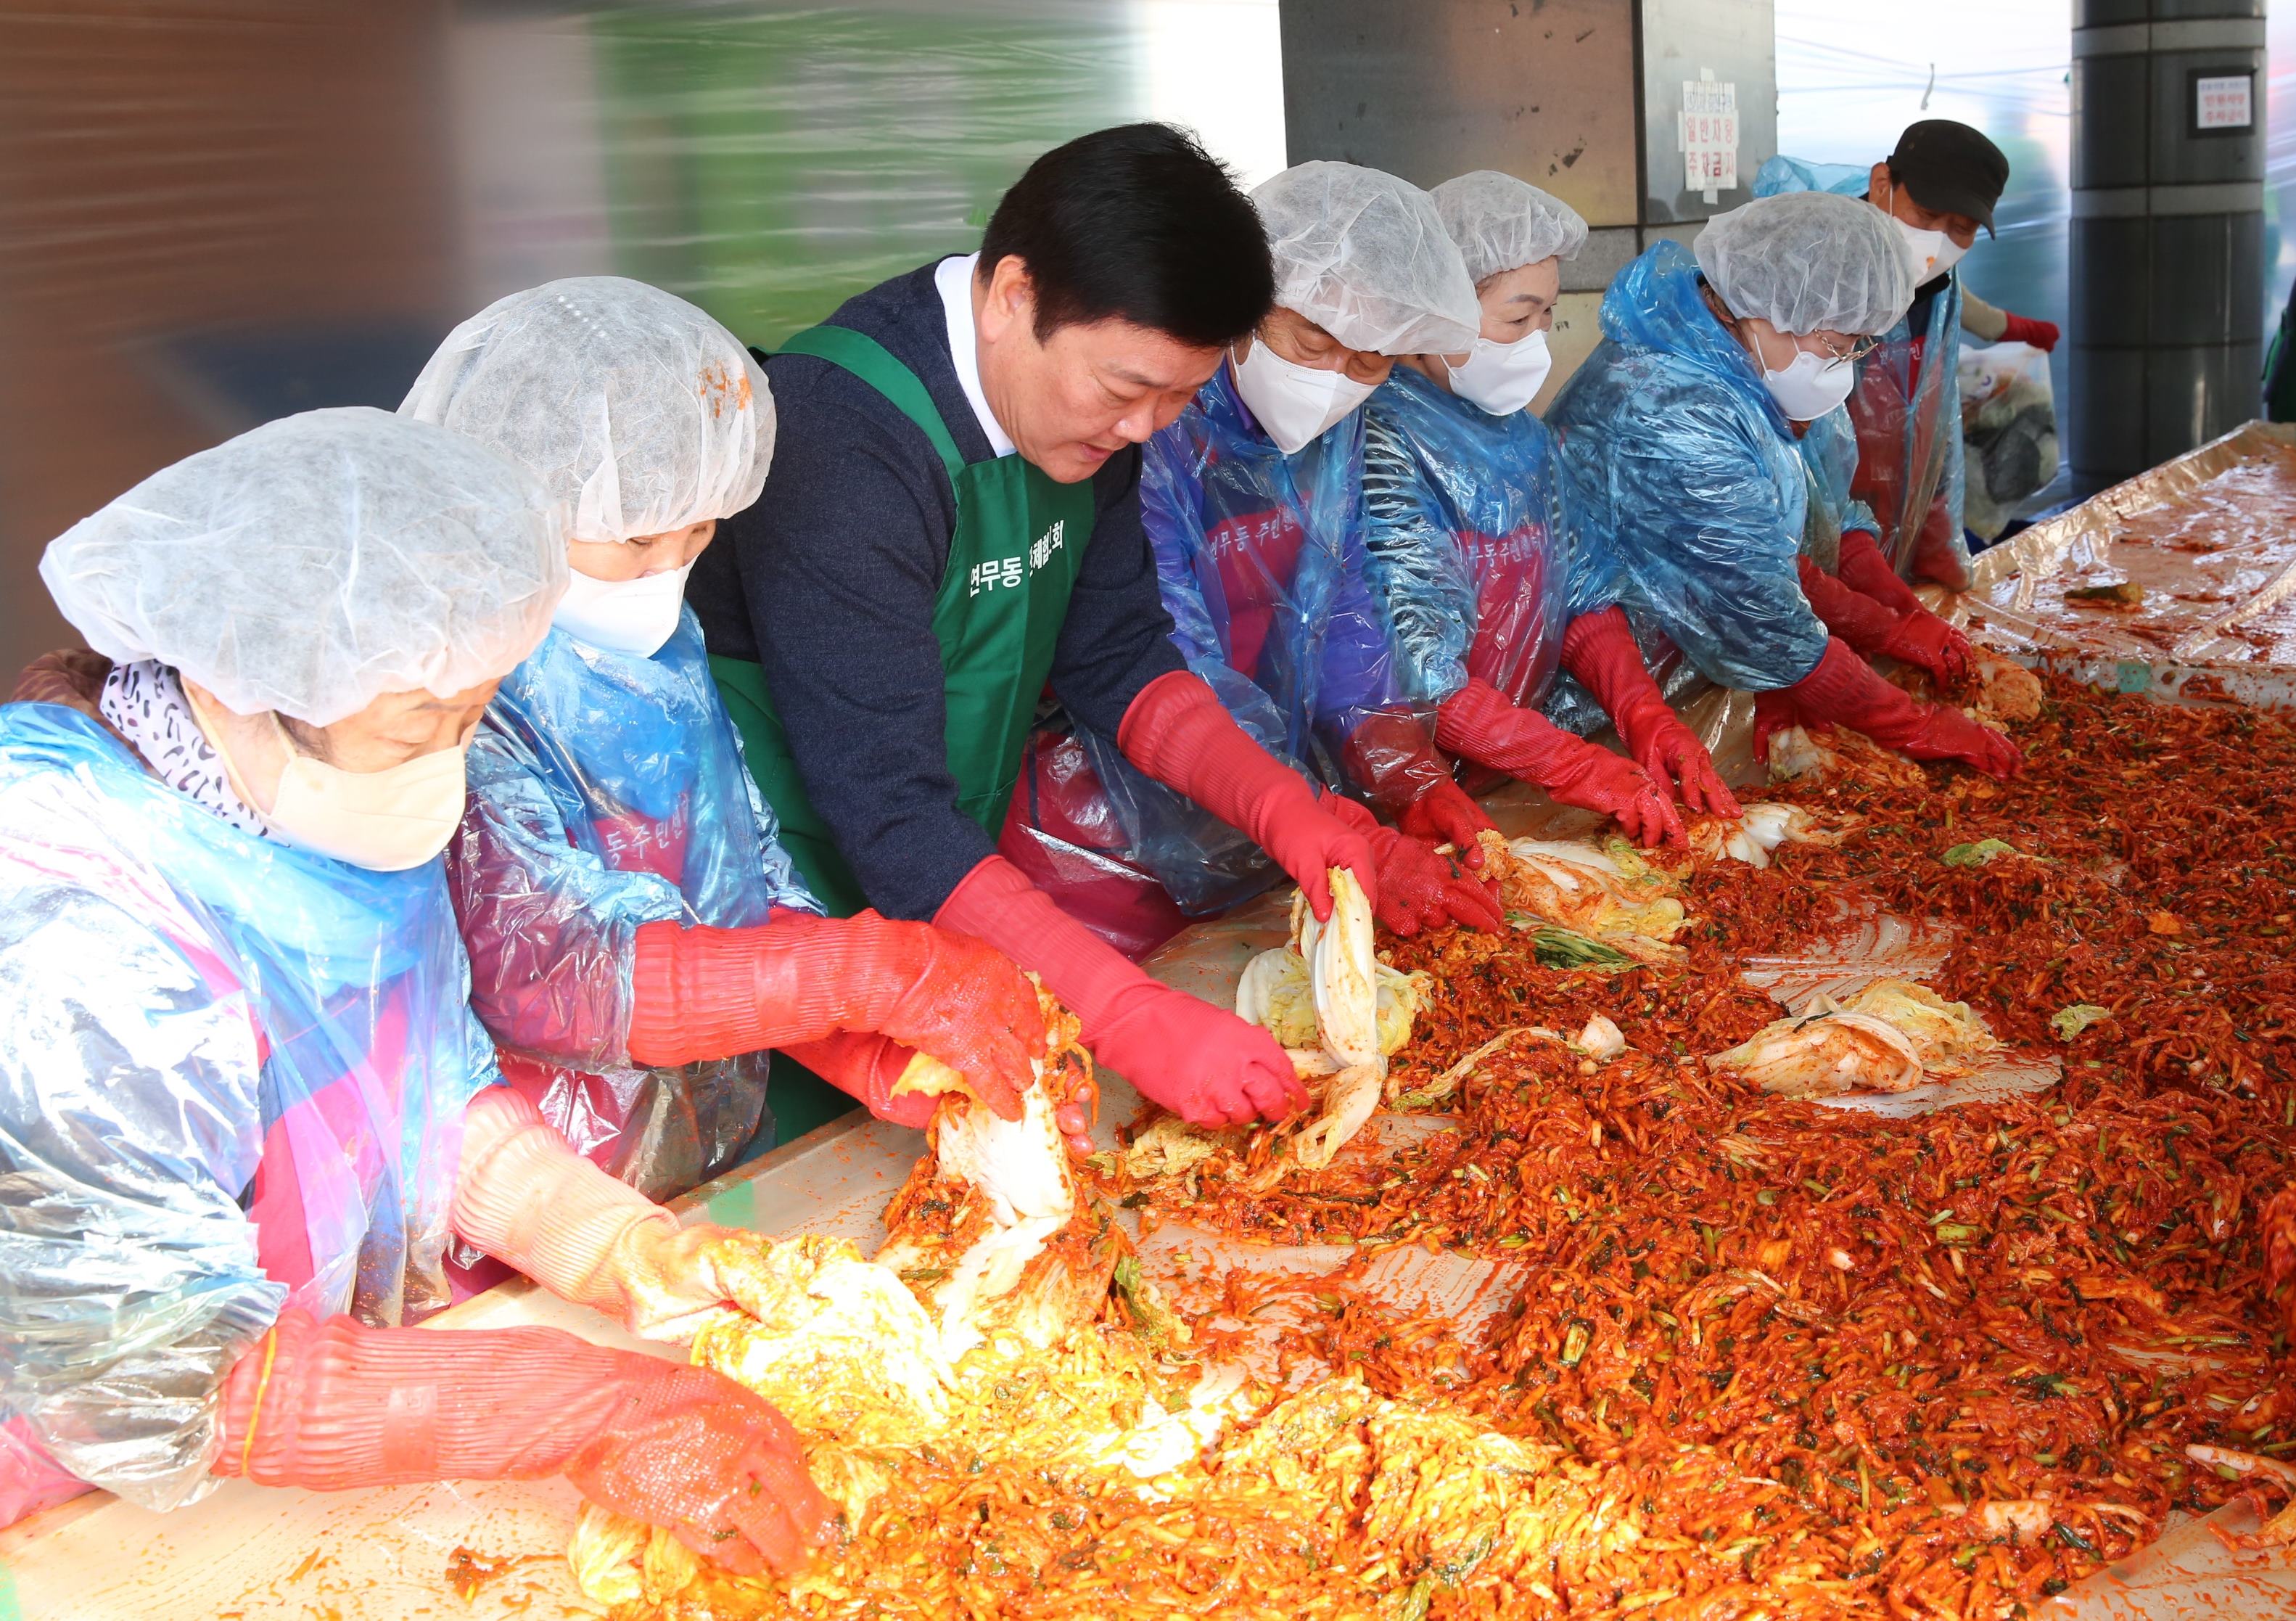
(637, 937)
(1253, 502)
(1939, 184)
(1469, 558)
(243, 1102)
(1678, 435)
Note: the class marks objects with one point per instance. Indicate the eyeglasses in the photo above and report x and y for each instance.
(1856, 352)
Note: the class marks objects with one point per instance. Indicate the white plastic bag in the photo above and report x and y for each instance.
(2008, 431)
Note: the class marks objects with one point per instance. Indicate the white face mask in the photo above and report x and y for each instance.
(622, 615)
(387, 820)
(1296, 404)
(1811, 386)
(1934, 252)
(1503, 378)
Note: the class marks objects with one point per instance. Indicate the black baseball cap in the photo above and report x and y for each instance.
(1950, 168)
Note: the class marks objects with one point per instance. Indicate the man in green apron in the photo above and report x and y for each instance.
(953, 524)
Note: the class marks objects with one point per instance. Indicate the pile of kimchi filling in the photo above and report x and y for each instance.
(1947, 1349)
(1012, 1419)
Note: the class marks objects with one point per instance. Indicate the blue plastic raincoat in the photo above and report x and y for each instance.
(608, 790)
(1685, 479)
(1829, 456)
(1467, 550)
(1906, 410)
(1260, 557)
(233, 1080)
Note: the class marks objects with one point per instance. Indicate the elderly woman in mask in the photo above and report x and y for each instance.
(1469, 546)
(1253, 503)
(244, 1103)
(638, 938)
(1679, 435)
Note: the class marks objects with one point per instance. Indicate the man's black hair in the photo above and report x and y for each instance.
(1137, 223)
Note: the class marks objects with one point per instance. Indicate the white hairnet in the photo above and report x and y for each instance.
(1361, 254)
(639, 411)
(318, 561)
(1809, 261)
(1500, 223)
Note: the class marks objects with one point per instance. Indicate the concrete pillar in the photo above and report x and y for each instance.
(2167, 240)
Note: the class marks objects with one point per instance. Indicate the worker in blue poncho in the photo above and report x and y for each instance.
(1938, 187)
(244, 1106)
(1253, 502)
(1679, 436)
(638, 938)
(1470, 547)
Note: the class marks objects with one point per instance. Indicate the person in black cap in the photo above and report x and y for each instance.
(1943, 180)
(1940, 185)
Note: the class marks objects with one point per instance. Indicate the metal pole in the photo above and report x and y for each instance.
(2166, 236)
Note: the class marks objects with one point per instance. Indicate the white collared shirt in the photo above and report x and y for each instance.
(953, 279)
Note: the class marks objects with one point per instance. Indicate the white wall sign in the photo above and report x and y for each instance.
(1709, 135)
(2224, 104)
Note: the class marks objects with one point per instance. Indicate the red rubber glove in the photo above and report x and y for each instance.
(1865, 570)
(1848, 612)
(1939, 552)
(1447, 814)
(2023, 329)
(1200, 1062)
(1177, 731)
(704, 993)
(1392, 756)
(1920, 636)
(1844, 691)
(334, 1406)
(1420, 888)
(1480, 723)
(865, 1067)
(1599, 650)
(1924, 639)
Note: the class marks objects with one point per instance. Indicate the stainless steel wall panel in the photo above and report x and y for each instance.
(1430, 89)
(1736, 42)
(2179, 158)
(2110, 285)
(2192, 395)
(2111, 120)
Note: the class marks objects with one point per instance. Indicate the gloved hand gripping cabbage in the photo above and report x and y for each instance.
(328, 1406)
(992, 1258)
(922, 1392)
(1340, 1014)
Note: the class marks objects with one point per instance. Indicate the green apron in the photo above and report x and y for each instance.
(1012, 563)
